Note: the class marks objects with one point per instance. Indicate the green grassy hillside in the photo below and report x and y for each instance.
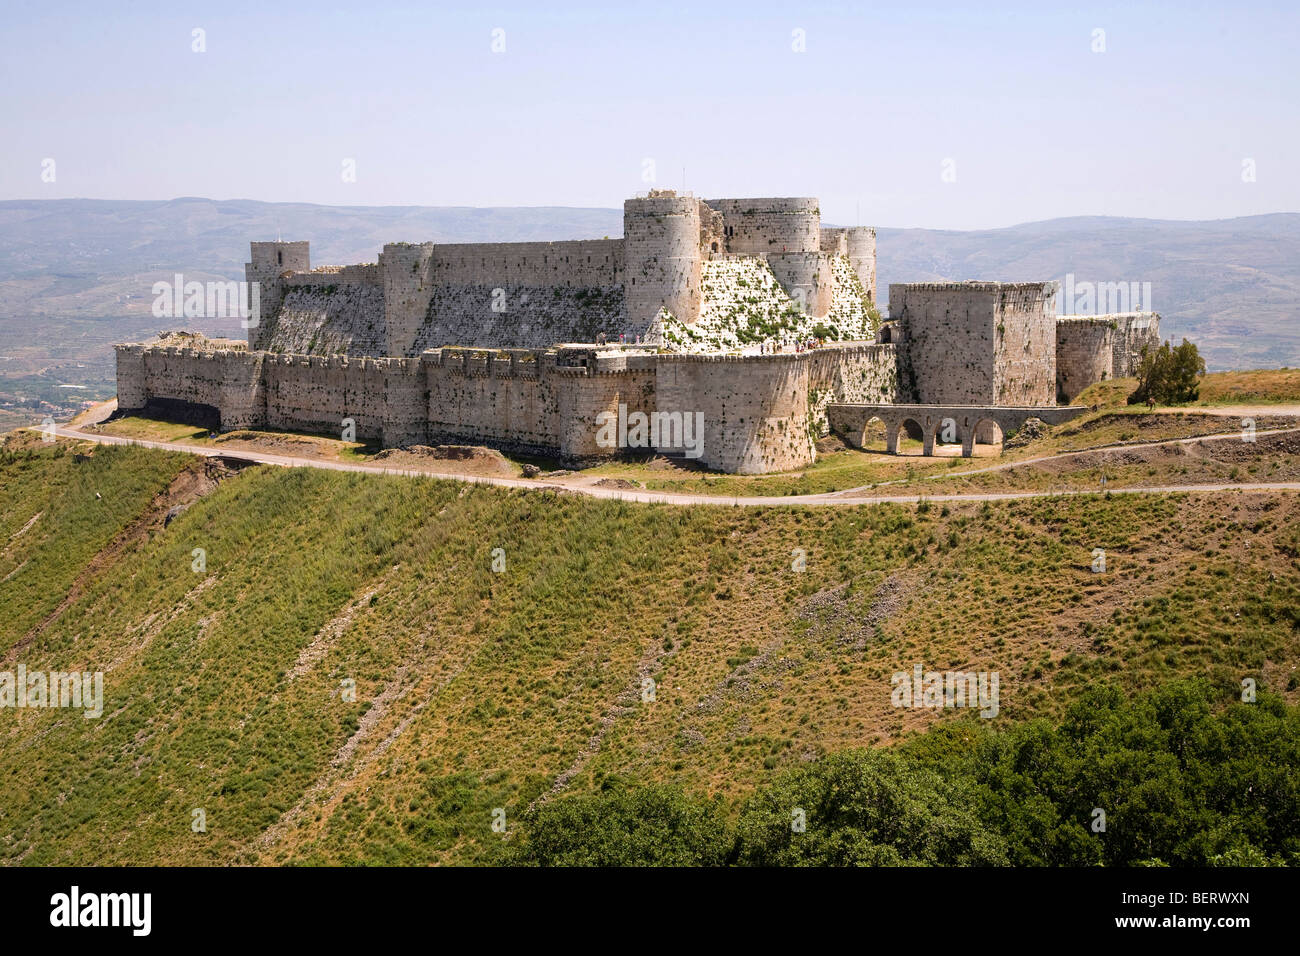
(226, 689)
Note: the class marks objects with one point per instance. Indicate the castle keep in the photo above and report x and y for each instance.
(702, 308)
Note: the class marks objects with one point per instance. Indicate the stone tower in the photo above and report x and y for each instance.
(269, 261)
(861, 242)
(661, 250)
(408, 288)
(787, 232)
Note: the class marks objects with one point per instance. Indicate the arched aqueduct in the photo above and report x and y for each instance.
(965, 422)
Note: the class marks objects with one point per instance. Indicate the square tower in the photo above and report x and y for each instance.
(977, 343)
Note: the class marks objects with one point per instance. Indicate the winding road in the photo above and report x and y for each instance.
(851, 497)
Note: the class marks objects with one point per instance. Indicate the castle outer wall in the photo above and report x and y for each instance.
(760, 413)
(1097, 348)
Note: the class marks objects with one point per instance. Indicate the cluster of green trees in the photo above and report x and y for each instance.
(1169, 375)
(1182, 776)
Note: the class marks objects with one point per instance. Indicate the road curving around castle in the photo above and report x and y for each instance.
(850, 498)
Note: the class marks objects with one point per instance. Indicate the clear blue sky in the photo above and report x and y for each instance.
(1036, 123)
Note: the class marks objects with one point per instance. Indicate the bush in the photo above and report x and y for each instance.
(1169, 375)
(624, 826)
(865, 808)
(1186, 775)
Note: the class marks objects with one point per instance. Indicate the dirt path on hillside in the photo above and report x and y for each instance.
(1248, 411)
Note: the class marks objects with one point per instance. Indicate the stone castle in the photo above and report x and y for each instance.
(704, 308)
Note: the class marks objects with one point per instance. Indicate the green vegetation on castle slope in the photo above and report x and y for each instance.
(225, 689)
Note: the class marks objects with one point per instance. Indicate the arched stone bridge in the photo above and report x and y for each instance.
(850, 421)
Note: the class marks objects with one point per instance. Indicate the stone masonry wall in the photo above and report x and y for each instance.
(1084, 354)
(268, 262)
(949, 334)
(976, 343)
(1094, 348)
(432, 294)
(407, 290)
(764, 413)
(329, 319)
(575, 264)
(1024, 358)
(761, 413)
(1133, 331)
(524, 317)
(661, 249)
(315, 393)
(760, 227)
(503, 398)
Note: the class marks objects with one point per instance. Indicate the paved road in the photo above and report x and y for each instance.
(656, 497)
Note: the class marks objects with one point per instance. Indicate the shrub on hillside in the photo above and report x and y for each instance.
(865, 808)
(624, 826)
(1183, 777)
(1168, 375)
(1179, 782)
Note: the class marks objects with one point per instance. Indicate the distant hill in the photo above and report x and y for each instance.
(1232, 285)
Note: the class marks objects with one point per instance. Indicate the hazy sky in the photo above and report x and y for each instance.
(1026, 120)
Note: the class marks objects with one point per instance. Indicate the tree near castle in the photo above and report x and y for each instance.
(1169, 375)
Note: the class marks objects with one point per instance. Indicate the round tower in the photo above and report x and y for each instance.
(861, 241)
(771, 226)
(661, 251)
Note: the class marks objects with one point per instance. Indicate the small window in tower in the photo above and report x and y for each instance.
(279, 257)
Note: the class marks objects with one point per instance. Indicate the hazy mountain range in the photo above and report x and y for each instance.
(75, 274)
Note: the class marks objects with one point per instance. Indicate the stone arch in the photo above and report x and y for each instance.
(876, 435)
(903, 431)
(950, 430)
(988, 431)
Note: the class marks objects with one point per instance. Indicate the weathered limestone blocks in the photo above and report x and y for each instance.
(768, 226)
(268, 263)
(661, 247)
(858, 245)
(862, 255)
(510, 315)
(807, 278)
(977, 343)
(758, 413)
(242, 400)
(426, 295)
(132, 387)
(325, 319)
(1094, 348)
(408, 287)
